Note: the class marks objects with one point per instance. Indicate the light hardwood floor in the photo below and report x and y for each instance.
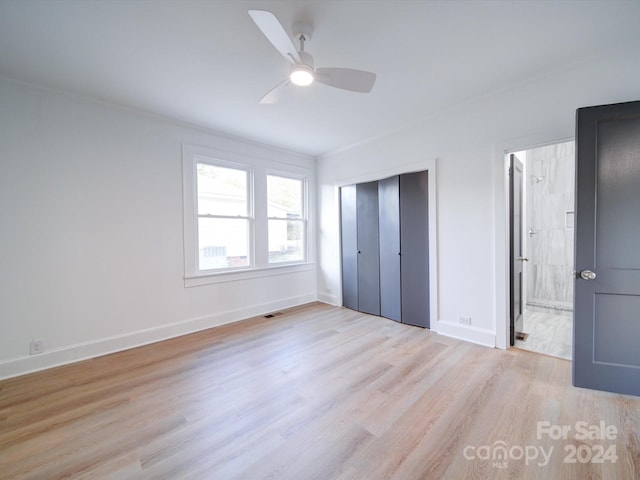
(318, 392)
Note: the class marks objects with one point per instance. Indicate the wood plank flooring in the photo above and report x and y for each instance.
(318, 392)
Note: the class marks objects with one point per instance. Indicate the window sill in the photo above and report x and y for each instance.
(194, 280)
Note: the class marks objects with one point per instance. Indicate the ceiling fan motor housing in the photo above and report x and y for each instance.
(306, 60)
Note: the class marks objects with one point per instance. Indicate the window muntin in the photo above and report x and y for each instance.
(286, 219)
(224, 220)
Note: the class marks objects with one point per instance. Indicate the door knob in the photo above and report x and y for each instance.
(523, 259)
(587, 275)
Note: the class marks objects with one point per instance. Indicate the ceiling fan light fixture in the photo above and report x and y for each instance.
(301, 75)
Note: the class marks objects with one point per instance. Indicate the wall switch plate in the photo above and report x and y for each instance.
(464, 320)
(36, 347)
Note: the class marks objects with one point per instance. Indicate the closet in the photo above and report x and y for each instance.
(385, 247)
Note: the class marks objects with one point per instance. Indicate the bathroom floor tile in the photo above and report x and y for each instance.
(549, 332)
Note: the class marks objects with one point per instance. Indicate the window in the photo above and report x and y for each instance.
(244, 216)
(224, 222)
(286, 220)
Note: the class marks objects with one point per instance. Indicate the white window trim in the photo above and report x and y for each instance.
(258, 170)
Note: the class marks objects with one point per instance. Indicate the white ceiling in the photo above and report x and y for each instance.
(205, 61)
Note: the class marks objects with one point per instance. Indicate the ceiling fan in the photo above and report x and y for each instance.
(303, 72)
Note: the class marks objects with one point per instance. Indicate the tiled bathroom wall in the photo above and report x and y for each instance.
(550, 205)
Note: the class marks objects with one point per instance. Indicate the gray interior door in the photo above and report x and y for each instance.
(349, 246)
(389, 207)
(607, 256)
(414, 248)
(368, 248)
(516, 255)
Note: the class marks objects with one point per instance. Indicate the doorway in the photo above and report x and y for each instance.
(546, 249)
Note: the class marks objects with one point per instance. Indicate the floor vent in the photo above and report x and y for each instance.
(522, 336)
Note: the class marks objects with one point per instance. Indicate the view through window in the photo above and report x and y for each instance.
(285, 211)
(223, 217)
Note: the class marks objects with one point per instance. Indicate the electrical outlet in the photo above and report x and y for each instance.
(36, 347)
(464, 320)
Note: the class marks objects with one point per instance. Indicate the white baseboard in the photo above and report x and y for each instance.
(74, 353)
(467, 333)
(328, 298)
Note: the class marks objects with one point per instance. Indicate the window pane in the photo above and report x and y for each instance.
(286, 240)
(284, 197)
(223, 243)
(221, 191)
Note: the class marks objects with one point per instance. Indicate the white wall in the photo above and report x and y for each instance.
(91, 231)
(469, 142)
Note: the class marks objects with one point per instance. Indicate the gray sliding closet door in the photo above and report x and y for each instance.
(414, 259)
(389, 217)
(349, 245)
(368, 248)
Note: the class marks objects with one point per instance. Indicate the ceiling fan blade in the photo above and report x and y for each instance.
(346, 79)
(275, 33)
(273, 95)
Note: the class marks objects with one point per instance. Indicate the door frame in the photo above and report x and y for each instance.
(502, 238)
(512, 241)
